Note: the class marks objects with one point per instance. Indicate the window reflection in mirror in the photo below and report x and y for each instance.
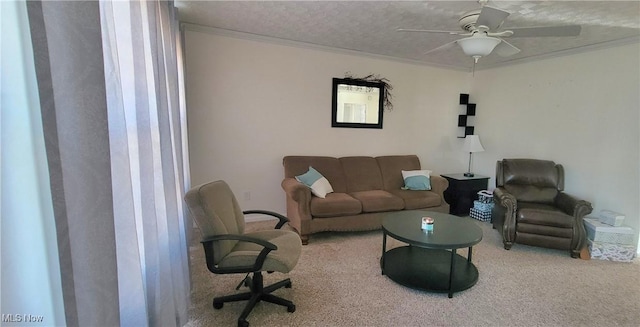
(356, 104)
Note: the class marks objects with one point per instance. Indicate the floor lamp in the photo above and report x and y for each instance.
(472, 144)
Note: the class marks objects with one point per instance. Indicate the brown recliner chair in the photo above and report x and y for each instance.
(531, 207)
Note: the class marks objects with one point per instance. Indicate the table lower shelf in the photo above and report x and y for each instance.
(428, 269)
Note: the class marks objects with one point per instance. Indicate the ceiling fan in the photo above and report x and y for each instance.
(482, 33)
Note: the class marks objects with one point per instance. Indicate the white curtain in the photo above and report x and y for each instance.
(111, 122)
(147, 139)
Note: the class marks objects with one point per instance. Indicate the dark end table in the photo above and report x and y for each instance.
(463, 191)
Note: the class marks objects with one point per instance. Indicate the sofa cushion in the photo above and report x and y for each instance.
(361, 174)
(418, 199)
(378, 200)
(318, 184)
(391, 167)
(335, 204)
(329, 167)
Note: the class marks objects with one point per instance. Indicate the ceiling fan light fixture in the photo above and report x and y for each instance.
(477, 47)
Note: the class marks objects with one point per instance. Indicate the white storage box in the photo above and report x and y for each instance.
(611, 218)
(611, 251)
(599, 232)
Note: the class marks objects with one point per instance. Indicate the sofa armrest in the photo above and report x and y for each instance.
(296, 190)
(506, 206)
(298, 201)
(438, 185)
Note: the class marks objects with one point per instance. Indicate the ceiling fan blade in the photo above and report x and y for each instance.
(426, 31)
(491, 17)
(565, 30)
(505, 49)
(442, 47)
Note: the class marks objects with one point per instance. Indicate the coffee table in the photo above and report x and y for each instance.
(429, 262)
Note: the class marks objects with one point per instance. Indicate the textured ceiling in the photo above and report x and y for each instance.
(370, 27)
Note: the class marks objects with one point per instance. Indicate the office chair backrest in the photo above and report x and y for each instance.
(216, 211)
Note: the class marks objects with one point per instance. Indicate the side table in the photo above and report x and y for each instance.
(463, 191)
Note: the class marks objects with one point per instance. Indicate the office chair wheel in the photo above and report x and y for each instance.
(288, 285)
(291, 308)
(217, 305)
(243, 323)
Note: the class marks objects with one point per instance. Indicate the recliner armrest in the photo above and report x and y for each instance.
(507, 223)
(505, 199)
(572, 206)
(577, 209)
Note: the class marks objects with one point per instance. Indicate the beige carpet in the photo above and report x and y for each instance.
(337, 282)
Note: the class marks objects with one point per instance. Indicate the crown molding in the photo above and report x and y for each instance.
(305, 45)
(563, 53)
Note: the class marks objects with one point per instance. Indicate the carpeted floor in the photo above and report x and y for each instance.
(337, 282)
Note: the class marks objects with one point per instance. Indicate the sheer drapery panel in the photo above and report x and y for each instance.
(145, 131)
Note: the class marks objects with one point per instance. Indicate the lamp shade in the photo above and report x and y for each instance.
(472, 144)
(478, 46)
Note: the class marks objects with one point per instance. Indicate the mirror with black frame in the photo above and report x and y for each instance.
(357, 103)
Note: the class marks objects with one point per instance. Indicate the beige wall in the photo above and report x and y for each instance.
(582, 111)
(251, 102)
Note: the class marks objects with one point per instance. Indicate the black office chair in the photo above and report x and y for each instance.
(229, 250)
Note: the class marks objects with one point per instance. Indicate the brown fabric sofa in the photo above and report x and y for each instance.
(365, 188)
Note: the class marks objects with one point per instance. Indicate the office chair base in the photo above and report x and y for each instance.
(258, 292)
